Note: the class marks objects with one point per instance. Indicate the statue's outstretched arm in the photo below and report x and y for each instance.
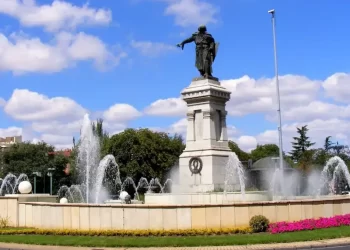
(188, 40)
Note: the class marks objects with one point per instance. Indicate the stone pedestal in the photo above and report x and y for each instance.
(206, 137)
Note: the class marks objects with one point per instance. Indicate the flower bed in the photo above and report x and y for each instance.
(309, 224)
(179, 232)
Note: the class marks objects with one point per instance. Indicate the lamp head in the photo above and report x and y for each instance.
(271, 11)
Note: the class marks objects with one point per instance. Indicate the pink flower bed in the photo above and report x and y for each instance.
(309, 224)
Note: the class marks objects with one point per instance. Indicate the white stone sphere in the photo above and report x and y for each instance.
(63, 200)
(25, 187)
(123, 195)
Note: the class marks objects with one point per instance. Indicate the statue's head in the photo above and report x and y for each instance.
(202, 28)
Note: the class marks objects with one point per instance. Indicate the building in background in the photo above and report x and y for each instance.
(8, 141)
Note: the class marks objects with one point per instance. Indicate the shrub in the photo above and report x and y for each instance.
(141, 233)
(310, 224)
(259, 223)
(4, 222)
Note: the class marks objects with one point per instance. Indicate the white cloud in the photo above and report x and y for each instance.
(54, 139)
(167, 107)
(152, 49)
(10, 131)
(259, 96)
(319, 129)
(316, 110)
(56, 120)
(21, 54)
(246, 142)
(192, 12)
(26, 105)
(337, 87)
(179, 127)
(121, 113)
(55, 16)
(57, 127)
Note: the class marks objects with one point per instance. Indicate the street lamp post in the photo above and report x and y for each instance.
(50, 174)
(272, 12)
(36, 174)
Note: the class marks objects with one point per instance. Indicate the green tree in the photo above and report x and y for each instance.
(338, 149)
(59, 163)
(144, 153)
(265, 150)
(97, 128)
(306, 161)
(328, 144)
(301, 143)
(242, 156)
(27, 157)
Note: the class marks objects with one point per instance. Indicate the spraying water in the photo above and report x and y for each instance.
(107, 162)
(10, 183)
(88, 155)
(91, 171)
(333, 172)
(234, 168)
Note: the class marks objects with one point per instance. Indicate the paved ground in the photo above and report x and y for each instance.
(335, 244)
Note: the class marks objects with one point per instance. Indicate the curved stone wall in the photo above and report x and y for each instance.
(205, 198)
(89, 216)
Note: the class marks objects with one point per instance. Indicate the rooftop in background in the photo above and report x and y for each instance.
(269, 163)
(8, 141)
(65, 152)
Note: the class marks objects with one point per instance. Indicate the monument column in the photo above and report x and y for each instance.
(202, 164)
(190, 126)
(223, 136)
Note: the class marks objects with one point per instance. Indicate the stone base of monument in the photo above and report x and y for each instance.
(202, 163)
(205, 198)
(34, 197)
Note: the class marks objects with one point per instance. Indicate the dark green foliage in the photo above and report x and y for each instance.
(27, 158)
(301, 143)
(328, 144)
(259, 223)
(98, 129)
(144, 153)
(242, 156)
(59, 177)
(266, 150)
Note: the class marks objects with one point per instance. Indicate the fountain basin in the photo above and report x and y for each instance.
(33, 197)
(205, 198)
(121, 202)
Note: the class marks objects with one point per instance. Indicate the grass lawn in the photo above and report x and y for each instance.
(239, 239)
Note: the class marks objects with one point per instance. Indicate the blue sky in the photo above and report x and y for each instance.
(93, 58)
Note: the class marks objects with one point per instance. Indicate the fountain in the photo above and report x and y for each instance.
(9, 185)
(234, 168)
(210, 192)
(20, 188)
(229, 177)
(92, 173)
(332, 174)
(88, 157)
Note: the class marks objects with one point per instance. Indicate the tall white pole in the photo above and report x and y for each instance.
(272, 12)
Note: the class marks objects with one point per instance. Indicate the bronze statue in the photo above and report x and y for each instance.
(206, 50)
